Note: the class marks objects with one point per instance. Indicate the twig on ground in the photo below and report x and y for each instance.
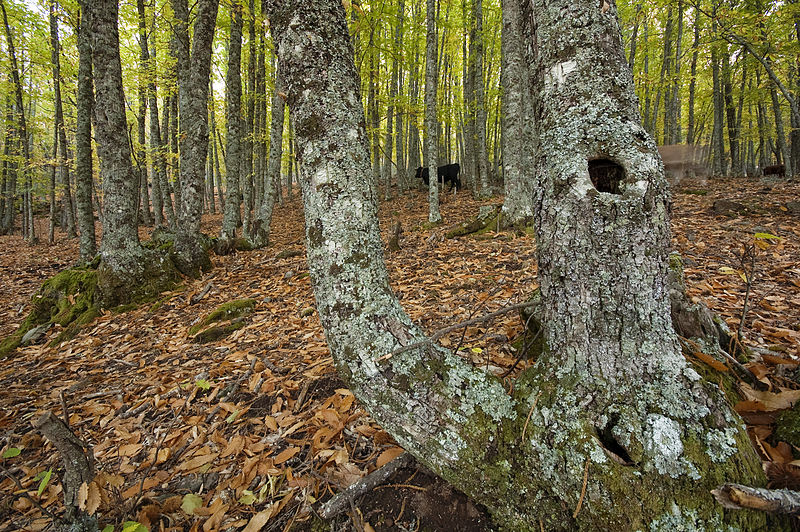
(736, 496)
(342, 500)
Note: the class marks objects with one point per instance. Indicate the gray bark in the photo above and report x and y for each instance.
(84, 176)
(273, 180)
(517, 140)
(690, 132)
(127, 270)
(233, 119)
(193, 79)
(717, 140)
(29, 233)
(431, 120)
(613, 381)
(480, 104)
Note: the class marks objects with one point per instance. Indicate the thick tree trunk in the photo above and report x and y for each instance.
(84, 174)
(480, 104)
(517, 140)
(610, 430)
(127, 270)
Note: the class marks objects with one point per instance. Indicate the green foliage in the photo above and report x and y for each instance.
(44, 479)
(11, 452)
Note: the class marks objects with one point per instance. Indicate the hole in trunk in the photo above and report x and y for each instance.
(611, 446)
(606, 175)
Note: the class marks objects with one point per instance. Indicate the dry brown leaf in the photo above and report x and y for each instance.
(258, 521)
(388, 455)
(286, 454)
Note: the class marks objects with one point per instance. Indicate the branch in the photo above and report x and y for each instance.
(737, 497)
(342, 500)
(441, 332)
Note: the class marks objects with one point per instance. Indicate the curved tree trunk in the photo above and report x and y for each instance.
(610, 430)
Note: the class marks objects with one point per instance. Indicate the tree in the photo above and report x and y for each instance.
(233, 137)
(194, 69)
(610, 429)
(431, 120)
(84, 174)
(127, 270)
(517, 141)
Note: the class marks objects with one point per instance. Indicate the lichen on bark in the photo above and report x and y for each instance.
(612, 404)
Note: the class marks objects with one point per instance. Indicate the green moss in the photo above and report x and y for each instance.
(218, 331)
(288, 253)
(787, 426)
(226, 311)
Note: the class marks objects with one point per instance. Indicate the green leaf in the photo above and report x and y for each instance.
(44, 479)
(247, 497)
(477, 350)
(108, 528)
(190, 502)
(727, 270)
(133, 526)
(766, 236)
(11, 452)
(203, 384)
(231, 418)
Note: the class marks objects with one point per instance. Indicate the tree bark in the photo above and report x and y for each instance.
(623, 435)
(193, 76)
(127, 270)
(518, 143)
(431, 120)
(84, 173)
(30, 233)
(233, 136)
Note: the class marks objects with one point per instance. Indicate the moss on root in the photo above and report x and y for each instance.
(232, 311)
(73, 298)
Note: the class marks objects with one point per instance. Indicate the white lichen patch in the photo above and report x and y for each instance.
(477, 391)
(687, 520)
(662, 443)
(558, 73)
(721, 444)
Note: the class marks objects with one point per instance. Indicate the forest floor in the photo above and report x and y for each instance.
(256, 428)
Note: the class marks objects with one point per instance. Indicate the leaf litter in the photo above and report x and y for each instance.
(252, 430)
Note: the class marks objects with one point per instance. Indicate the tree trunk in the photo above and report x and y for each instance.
(193, 79)
(30, 233)
(127, 270)
(518, 143)
(480, 104)
(780, 135)
(273, 180)
(84, 174)
(431, 119)
(690, 132)
(717, 138)
(730, 115)
(233, 119)
(623, 435)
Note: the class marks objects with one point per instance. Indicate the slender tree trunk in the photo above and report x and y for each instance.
(518, 142)
(193, 84)
(634, 35)
(730, 115)
(718, 142)
(480, 104)
(84, 174)
(30, 233)
(233, 119)
(780, 135)
(675, 104)
(690, 132)
(273, 180)
(248, 127)
(431, 120)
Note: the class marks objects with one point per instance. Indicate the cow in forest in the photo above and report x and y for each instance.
(446, 174)
(775, 169)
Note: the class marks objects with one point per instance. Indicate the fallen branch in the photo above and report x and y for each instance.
(342, 501)
(78, 468)
(736, 497)
(447, 330)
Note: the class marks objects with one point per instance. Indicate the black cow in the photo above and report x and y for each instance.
(775, 169)
(446, 174)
